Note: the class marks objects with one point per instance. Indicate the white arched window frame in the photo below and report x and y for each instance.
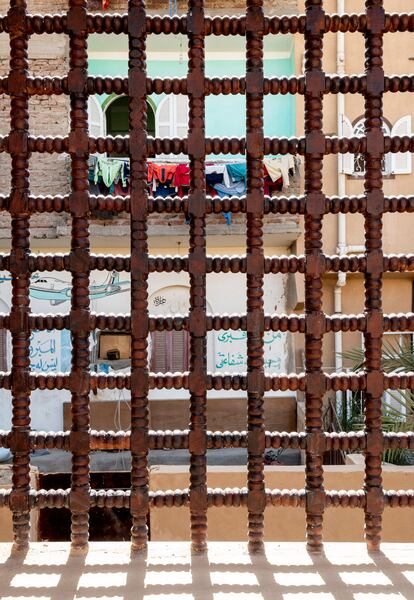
(97, 121)
(393, 164)
(171, 118)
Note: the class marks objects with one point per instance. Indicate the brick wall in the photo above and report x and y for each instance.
(50, 116)
(212, 6)
(159, 6)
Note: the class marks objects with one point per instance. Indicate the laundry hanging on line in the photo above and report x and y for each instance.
(111, 175)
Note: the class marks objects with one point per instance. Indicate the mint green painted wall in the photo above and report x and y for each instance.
(225, 115)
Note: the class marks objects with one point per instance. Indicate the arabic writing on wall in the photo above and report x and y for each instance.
(231, 350)
(44, 351)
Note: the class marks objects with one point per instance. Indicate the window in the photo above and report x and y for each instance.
(359, 159)
(115, 119)
(392, 164)
(114, 346)
(172, 117)
(170, 351)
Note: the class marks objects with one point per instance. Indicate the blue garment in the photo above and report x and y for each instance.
(227, 216)
(164, 191)
(237, 172)
(238, 189)
(213, 179)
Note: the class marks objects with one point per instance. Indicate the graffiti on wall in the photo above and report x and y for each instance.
(51, 350)
(44, 352)
(231, 350)
(57, 291)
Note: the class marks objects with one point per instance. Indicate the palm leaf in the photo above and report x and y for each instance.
(398, 405)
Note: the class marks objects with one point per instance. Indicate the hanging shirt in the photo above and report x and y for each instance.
(213, 179)
(219, 169)
(182, 176)
(238, 189)
(279, 167)
(109, 170)
(160, 173)
(237, 172)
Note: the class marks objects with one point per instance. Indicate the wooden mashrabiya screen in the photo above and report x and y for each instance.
(77, 24)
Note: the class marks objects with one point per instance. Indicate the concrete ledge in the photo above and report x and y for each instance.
(227, 572)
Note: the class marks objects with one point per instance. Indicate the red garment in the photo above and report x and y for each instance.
(272, 186)
(161, 173)
(120, 191)
(182, 176)
(105, 4)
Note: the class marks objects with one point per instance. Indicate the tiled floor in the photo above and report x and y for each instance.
(227, 572)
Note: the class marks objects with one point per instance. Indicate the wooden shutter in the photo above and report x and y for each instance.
(96, 118)
(181, 116)
(170, 351)
(164, 118)
(401, 162)
(179, 351)
(158, 352)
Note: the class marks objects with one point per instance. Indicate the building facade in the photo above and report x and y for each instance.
(283, 234)
(343, 176)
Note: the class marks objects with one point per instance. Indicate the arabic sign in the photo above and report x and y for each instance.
(231, 351)
(44, 351)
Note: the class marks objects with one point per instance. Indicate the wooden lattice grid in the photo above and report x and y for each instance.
(80, 441)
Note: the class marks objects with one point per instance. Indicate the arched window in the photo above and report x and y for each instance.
(114, 119)
(395, 164)
(117, 117)
(172, 117)
(97, 124)
(359, 159)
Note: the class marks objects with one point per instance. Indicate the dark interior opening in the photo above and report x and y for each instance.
(105, 524)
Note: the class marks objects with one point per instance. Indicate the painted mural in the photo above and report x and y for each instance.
(57, 291)
(50, 293)
(169, 294)
(51, 350)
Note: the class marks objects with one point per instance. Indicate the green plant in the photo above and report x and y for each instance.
(398, 405)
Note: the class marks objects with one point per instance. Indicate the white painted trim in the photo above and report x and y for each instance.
(176, 56)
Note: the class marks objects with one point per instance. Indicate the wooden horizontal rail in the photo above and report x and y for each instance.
(334, 84)
(335, 382)
(223, 26)
(219, 498)
(292, 205)
(229, 146)
(178, 440)
(214, 264)
(283, 323)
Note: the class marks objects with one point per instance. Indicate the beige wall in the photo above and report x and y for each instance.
(397, 228)
(6, 527)
(287, 524)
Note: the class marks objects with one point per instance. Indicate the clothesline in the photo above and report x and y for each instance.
(111, 175)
